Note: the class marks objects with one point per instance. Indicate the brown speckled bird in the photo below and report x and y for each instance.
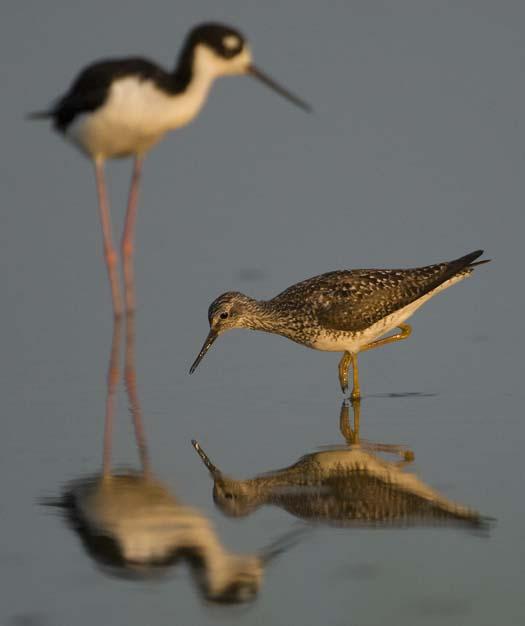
(344, 311)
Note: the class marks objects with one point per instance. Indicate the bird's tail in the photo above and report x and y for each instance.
(480, 262)
(39, 115)
(466, 263)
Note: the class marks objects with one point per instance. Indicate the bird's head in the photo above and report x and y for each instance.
(230, 310)
(235, 498)
(219, 50)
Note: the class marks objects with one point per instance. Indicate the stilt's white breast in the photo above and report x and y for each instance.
(354, 342)
(134, 117)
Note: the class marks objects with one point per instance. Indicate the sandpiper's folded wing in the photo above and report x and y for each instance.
(360, 298)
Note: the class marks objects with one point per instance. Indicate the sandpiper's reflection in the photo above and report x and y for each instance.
(132, 525)
(344, 486)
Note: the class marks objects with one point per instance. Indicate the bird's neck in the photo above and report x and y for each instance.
(264, 316)
(186, 104)
(192, 79)
(272, 317)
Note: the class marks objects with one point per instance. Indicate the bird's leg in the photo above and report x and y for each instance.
(356, 391)
(344, 364)
(350, 434)
(130, 380)
(405, 455)
(110, 254)
(112, 382)
(128, 236)
(352, 438)
(406, 331)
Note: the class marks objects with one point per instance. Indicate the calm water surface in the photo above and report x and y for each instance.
(416, 157)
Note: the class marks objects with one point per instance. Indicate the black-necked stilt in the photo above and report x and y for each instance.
(344, 311)
(122, 107)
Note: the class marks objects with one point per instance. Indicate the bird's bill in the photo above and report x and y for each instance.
(282, 544)
(214, 471)
(212, 336)
(269, 82)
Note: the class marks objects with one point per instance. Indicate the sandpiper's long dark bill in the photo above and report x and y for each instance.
(345, 311)
(123, 107)
(212, 336)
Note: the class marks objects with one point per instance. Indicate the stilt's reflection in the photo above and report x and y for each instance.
(113, 378)
(131, 523)
(344, 486)
(130, 382)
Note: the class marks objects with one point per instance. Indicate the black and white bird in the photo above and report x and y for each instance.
(123, 107)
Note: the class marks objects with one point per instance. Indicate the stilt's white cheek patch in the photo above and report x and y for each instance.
(230, 42)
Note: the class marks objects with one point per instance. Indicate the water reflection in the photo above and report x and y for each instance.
(134, 526)
(344, 486)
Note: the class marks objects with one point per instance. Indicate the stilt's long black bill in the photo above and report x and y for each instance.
(269, 82)
(205, 459)
(212, 336)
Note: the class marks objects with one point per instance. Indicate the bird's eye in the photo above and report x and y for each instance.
(223, 315)
(228, 496)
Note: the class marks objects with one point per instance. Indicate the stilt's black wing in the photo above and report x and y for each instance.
(91, 87)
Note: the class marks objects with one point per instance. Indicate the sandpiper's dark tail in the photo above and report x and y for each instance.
(480, 262)
(442, 272)
(466, 263)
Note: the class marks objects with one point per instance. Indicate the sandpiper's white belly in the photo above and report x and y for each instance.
(134, 117)
(354, 342)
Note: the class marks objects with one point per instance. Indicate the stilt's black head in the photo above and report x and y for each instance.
(225, 41)
(218, 50)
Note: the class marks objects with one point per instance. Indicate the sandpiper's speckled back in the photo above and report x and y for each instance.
(353, 300)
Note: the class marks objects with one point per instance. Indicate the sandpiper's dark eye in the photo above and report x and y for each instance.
(223, 315)
(228, 496)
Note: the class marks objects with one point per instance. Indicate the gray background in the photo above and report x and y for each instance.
(414, 155)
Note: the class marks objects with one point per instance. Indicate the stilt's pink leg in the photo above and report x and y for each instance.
(110, 254)
(130, 380)
(112, 382)
(128, 237)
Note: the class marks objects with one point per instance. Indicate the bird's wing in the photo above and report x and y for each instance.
(354, 300)
(76, 103)
(91, 87)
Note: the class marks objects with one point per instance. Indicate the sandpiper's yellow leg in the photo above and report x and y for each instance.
(406, 331)
(344, 364)
(350, 434)
(352, 438)
(356, 391)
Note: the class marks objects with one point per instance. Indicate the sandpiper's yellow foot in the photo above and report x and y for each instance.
(344, 364)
